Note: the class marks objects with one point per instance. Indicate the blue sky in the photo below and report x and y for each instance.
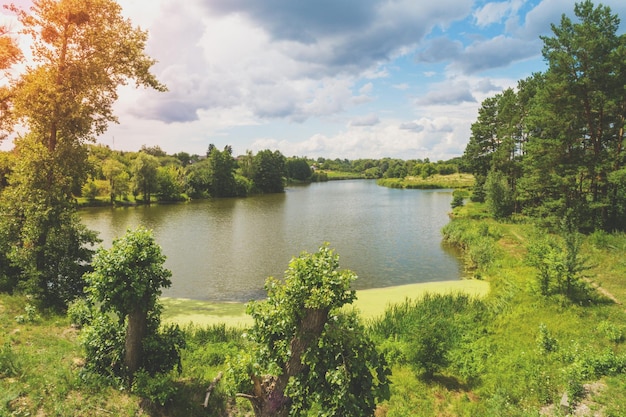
(331, 78)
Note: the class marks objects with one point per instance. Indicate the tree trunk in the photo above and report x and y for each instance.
(135, 333)
(269, 398)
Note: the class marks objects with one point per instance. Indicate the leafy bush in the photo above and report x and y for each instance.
(612, 332)
(424, 333)
(158, 389)
(80, 312)
(103, 341)
(30, 315)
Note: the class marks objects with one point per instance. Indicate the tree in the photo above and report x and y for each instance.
(222, 171)
(144, 170)
(127, 281)
(498, 195)
(298, 169)
(47, 248)
(170, 183)
(307, 349)
(84, 51)
(582, 112)
(81, 51)
(267, 171)
(115, 172)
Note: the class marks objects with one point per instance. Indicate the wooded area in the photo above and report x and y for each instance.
(554, 146)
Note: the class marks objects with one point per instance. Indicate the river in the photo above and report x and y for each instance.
(224, 249)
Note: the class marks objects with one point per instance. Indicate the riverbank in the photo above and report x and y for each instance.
(436, 181)
(371, 303)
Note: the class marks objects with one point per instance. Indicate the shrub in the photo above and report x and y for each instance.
(158, 389)
(10, 364)
(80, 312)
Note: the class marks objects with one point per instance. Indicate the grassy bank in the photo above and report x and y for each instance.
(436, 181)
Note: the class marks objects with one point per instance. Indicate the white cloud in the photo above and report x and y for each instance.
(495, 12)
(447, 93)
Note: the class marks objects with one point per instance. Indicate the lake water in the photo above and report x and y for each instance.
(224, 249)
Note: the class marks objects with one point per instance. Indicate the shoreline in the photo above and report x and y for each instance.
(371, 303)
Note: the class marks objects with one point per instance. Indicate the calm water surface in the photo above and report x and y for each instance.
(225, 249)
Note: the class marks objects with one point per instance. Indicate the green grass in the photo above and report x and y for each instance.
(343, 175)
(436, 181)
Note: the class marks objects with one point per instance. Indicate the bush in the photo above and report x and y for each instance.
(458, 198)
(158, 389)
(80, 312)
(103, 341)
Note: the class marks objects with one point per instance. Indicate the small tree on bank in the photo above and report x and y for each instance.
(307, 350)
(127, 281)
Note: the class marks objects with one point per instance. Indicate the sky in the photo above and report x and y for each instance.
(327, 78)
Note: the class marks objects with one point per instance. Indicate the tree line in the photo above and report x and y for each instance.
(554, 146)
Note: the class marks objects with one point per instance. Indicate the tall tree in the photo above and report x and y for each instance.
(222, 171)
(81, 51)
(144, 169)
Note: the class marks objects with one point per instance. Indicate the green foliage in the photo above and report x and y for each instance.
(80, 312)
(318, 353)
(545, 342)
(126, 283)
(458, 198)
(103, 342)
(221, 167)
(30, 315)
(90, 190)
(611, 332)
(498, 195)
(531, 136)
(298, 169)
(268, 169)
(559, 263)
(170, 183)
(429, 330)
(144, 169)
(10, 364)
(158, 389)
(129, 275)
(477, 241)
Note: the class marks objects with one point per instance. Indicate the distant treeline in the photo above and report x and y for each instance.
(138, 177)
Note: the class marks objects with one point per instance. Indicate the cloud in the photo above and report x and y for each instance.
(345, 35)
(485, 85)
(498, 52)
(412, 126)
(495, 12)
(439, 139)
(368, 120)
(448, 93)
(440, 49)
